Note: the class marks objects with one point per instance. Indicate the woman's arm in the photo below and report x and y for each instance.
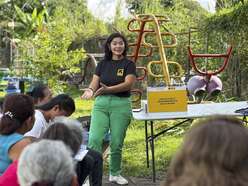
(94, 84)
(16, 149)
(125, 86)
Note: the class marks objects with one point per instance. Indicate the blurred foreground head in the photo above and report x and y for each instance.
(46, 163)
(214, 153)
(67, 130)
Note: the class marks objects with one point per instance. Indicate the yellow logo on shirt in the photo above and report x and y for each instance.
(120, 72)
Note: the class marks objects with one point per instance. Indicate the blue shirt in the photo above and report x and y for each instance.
(6, 142)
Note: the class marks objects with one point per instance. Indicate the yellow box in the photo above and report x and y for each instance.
(164, 99)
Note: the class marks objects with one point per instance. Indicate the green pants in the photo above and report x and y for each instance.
(110, 113)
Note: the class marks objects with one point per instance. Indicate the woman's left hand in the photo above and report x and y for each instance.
(103, 90)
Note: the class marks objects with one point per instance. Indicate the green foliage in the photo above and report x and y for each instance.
(29, 22)
(220, 4)
(56, 50)
(85, 25)
(230, 26)
(24, 14)
(145, 6)
(119, 23)
(51, 56)
(2, 2)
(229, 21)
(117, 17)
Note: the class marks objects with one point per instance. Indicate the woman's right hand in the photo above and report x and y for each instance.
(88, 93)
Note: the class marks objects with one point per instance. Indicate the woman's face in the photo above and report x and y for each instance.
(56, 112)
(117, 47)
(28, 124)
(31, 122)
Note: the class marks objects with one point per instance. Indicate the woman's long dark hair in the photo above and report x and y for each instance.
(17, 108)
(107, 49)
(64, 102)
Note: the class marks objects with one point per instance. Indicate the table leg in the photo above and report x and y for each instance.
(153, 156)
(147, 146)
(151, 139)
(244, 120)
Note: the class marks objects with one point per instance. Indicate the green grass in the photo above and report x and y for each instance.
(2, 94)
(83, 107)
(134, 156)
(3, 85)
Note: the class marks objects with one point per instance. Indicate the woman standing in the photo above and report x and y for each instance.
(111, 85)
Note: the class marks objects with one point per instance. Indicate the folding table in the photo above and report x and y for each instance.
(194, 111)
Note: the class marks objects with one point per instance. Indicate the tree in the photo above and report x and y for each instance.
(29, 23)
(10, 11)
(49, 54)
(220, 4)
(230, 25)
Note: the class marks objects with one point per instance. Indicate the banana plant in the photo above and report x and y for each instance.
(29, 23)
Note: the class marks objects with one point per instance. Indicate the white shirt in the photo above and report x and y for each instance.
(40, 125)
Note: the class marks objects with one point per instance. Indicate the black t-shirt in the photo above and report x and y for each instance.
(113, 72)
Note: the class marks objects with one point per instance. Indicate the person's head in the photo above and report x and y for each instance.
(60, 105)
(18, 114)
(67, 130)
(41, 94)
(214, 152)
(46, 162)
(116, 45)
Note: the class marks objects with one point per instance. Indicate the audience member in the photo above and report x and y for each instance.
(70, 132)
(17, 119)
(214, 153)
(41, 94)
(46, 163)
(61, 105)
(9, 177)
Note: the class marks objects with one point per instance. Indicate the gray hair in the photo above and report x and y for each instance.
(72, 124)
(76, 129)
(46, 160)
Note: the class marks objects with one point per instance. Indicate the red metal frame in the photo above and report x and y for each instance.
(144, 73)
(209, 73)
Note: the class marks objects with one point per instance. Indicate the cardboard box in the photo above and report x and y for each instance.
(167, 99)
